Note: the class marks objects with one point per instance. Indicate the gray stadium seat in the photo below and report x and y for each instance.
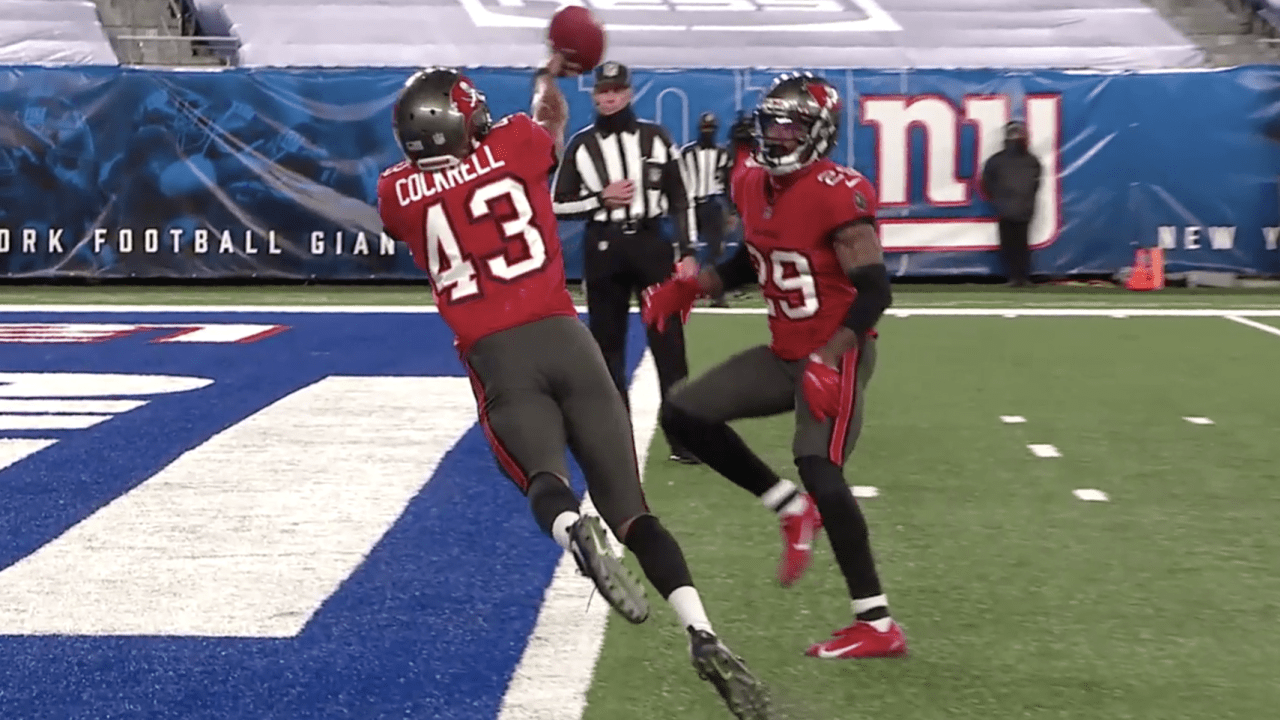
(1110, 34)
(53, 32)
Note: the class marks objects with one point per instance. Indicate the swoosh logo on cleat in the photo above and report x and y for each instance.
(828, 654)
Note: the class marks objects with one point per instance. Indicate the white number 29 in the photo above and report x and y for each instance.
(790, 272)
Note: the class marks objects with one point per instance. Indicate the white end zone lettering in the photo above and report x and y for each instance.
(248, 533)
(102, 332)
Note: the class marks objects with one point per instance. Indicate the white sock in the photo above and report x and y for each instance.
(688, 606)
(560, 527)
(882, 625)
(784, 498)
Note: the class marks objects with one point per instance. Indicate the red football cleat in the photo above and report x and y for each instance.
(861, 640)
(798, 532)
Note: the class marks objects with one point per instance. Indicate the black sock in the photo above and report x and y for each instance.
(878, 612)
(659, 555)
(846, 527)
(549, 497)
(717, 445)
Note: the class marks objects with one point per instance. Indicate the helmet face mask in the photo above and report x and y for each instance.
(780, 135)
(439, 118)
(796, 123)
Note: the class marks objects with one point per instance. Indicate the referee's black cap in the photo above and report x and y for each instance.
(612, 74)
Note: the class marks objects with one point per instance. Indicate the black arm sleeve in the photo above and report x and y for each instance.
(874, 297)
(737, 270)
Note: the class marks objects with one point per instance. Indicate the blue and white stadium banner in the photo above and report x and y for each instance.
(270, 173)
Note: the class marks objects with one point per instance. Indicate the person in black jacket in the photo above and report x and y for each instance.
(623, 175)
(1011, 180)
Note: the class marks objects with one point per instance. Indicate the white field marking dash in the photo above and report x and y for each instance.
(1253, 323)
(1044, 451)
(14, 449)
(247, 534)
(1198, 420)
(1011, 315)
(555, 671)
(1012, 419)
(1119, 316)
(865, 491)
(1091, 495)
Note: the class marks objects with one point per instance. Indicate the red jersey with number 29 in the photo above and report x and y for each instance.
(484, 231)
(789, 237)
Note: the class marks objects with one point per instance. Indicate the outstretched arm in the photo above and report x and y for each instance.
(550, 109)
(862, 258)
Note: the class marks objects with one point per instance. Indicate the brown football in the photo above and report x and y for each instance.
(576, 33)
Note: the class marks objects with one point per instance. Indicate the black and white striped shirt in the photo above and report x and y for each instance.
(643, 153)
(705, 169)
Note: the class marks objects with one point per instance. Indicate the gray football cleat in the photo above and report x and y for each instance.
(619, 586)
(742, 692)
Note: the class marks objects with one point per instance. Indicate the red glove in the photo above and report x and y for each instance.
(821, 388)
(673, 295)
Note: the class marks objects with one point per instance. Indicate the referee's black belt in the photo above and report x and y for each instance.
(626, 227)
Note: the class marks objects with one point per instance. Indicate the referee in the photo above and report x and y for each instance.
(706, 167)
(622, 175)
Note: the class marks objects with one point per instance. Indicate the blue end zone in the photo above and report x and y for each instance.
(431, 625)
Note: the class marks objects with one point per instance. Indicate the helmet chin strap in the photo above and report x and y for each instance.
(444, 162)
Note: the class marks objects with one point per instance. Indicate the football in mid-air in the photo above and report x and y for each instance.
(577, 35)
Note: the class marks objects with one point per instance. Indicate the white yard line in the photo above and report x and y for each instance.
(553, 676)
(1235, 317)
(1238, 314)
(1198, 420)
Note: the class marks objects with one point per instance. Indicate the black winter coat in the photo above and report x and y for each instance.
(1010, 180)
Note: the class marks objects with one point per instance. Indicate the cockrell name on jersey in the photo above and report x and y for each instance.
(422, 185)
(201, 241)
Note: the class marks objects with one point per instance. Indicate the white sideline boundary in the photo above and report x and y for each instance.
(431, 309)
(558, 664)
(1255, 325)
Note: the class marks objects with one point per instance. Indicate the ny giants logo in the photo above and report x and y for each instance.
(897, 171)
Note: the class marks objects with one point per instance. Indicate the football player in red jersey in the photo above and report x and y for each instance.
(812, 244)
(473, 203)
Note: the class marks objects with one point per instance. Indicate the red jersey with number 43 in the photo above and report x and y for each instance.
(789, 236)
(484, 231)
